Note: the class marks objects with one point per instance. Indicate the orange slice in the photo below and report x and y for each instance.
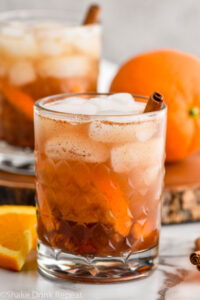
(116, 203)
(17, 235)
(20, 100)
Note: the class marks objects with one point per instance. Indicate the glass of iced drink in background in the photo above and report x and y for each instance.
(99, 169)
(42, 53)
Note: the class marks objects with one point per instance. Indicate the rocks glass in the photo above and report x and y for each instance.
(41, 53)
(99, 188)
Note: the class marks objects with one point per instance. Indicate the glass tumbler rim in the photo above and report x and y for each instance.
(40, 107)
(71, 16)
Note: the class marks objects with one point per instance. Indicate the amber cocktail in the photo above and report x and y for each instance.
(42, 53)
(100, 168)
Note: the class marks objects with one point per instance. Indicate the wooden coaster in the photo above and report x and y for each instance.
(181, 201)
(17, 189)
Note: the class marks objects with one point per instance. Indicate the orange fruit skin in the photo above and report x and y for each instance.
(176, 75)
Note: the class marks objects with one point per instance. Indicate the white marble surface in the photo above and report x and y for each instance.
(174, 279)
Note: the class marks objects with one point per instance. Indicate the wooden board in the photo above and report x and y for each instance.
(184, 173)
(17, 189)
(181, 200)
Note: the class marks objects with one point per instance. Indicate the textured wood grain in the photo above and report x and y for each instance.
(181, 201)
(16, 189)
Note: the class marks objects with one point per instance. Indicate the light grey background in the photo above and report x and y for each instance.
(132, 26)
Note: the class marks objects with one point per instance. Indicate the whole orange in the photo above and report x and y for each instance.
(176, 75)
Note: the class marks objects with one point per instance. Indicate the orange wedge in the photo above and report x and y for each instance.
(20, 100)
(116, 204)
(17, 235)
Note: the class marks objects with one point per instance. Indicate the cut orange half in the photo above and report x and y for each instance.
(17, 235)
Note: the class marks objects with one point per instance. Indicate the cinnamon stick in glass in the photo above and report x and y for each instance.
(92, 16)
(154, 103)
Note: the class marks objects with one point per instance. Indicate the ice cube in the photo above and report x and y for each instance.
(22, 73)
(25, 46)
(120, 108)
(64, 66)
(61, 105)
(150, 174)
(48, 127)
(122, 158)
(136, 181)
(76, 147)
(145, 130)
(141, 179)
(120, 133)
(48, 30)
(124, 103)
(75, 101)
(91, 46)
(51, 47)
(13, 30)
(126, 157)
(122, 98)
(87, 109)
(111, 133)
(88, 42)
(102, 103)
(74, 105)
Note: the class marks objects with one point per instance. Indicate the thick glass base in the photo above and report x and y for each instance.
(56, 264)
(16, 160)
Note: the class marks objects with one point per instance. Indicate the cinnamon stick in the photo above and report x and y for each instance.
(195, 257)
(197, 243)
(154, 103)
(92, 16)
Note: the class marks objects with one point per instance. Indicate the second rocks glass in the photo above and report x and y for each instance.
(41, 53)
